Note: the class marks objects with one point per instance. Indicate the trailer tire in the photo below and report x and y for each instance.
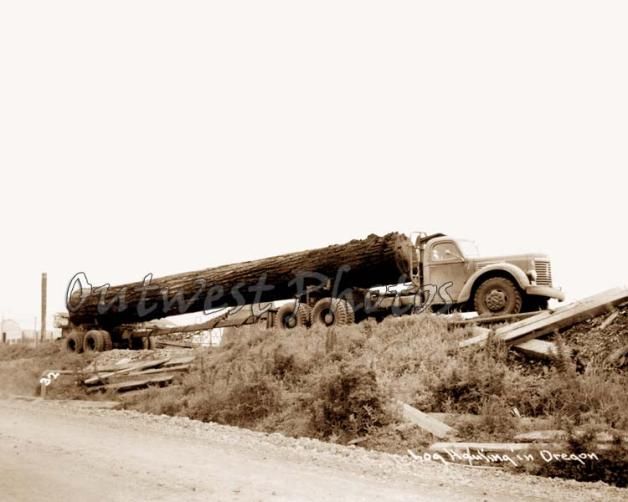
(149, 343)
(497, 296)
(94, 341)
(332, 312)
(108, 342)
(292, 315)
(74, 342)
(350, 312)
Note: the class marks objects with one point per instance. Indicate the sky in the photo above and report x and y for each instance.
(165, 137)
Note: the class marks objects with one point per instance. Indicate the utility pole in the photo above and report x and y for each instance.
(44, 297)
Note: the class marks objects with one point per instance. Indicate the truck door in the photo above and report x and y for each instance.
(445, 271)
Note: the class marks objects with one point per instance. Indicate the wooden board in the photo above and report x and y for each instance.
(497, 319)
(539, 349)
(426, 422)
(176, 361)
(169, 369)
(554, 435)
(138, 366)
(133, 384)
(561, 318)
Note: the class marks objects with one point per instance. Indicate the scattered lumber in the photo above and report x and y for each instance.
(553, 321)
(183, 345)
(132, 384)
(608, 321)
(497, 319)
(135, 375)
(540, 349)
(170, 369)
(176, 361)
(554, 435)
(426, 422)
(375, 260)
(102, 376)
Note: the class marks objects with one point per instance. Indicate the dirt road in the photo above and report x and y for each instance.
(59, 451)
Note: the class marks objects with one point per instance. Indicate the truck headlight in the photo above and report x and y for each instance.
(532, 275)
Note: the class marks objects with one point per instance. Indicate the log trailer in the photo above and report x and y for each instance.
(337, 285)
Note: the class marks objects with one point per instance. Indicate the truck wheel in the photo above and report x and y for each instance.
(293, 314)
(94, 341)
(74, 342)
(332, 312)
(497, 296)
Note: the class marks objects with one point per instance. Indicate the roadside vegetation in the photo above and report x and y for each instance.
(22, 366)
(343, 385)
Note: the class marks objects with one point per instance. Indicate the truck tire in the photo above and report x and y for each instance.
(292, 315)
(94, 341)
(497, 296)
(332, 312)
(74, 342)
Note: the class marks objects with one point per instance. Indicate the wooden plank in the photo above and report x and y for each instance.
(99, 377)
(555, 435)
(607, 322)
(563, 317)
(426, 422)
(176, 361)
(170, 369)
(494, 319)
(176, 344)
(132, 384)
(540, 349)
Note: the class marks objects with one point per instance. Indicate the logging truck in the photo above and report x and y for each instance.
(337, 285)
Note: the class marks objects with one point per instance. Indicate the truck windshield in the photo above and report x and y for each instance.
(469, 248)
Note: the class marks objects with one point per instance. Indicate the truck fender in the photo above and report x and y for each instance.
(517, 274)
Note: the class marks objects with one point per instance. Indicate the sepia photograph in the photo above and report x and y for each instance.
(313, 251)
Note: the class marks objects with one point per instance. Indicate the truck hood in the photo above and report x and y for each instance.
(521, 260)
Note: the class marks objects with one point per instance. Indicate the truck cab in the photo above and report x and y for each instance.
(455, 271)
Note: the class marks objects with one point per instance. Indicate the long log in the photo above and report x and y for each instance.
(364, 263)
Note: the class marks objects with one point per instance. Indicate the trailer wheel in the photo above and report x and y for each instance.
(292, 315)
(108, 342)
(332, 312)
(94, 341)
(149, 343)
(74, 342)
(497, 296)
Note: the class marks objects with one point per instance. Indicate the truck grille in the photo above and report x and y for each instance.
(543, 273)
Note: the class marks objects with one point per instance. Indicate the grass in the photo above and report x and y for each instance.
(340, 385)
(21, 367)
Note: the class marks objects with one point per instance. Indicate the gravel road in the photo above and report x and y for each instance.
(62, 451)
